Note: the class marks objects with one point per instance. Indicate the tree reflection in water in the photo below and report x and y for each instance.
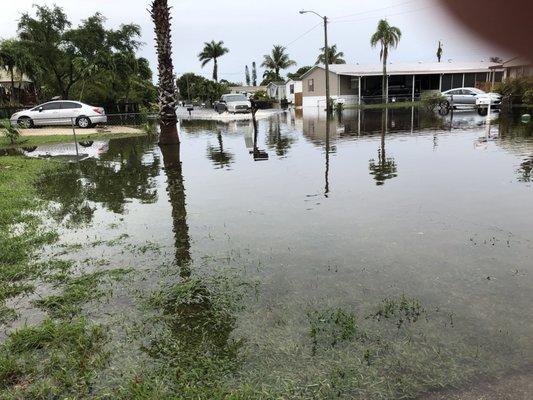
(123, 173)
(197, 323)
(275, 140)
(219, 156)
(385, 167)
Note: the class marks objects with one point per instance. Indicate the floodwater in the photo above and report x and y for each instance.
(373, 205)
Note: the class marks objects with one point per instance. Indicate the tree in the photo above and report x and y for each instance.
(196, 87)
(160, 13)
(247, 75)
(211, 52)
(270, 76)
(277, 60)
(8, 61)
(439, 51)
(296, 75)
(334, 57)
(254, 74)
(387, 36)
(496, 59)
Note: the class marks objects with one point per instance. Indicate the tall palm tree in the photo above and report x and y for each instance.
(277, 60)
(334, 57)
(160, 13)
(387, 36)
(8, 61)
(212, 51)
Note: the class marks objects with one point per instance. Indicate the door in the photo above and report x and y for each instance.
(469, 97)
(69, 112)
(298, 99)
(48, 114)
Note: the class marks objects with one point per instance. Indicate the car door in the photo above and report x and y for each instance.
(469, 97)
(48, 114)
(69, 113)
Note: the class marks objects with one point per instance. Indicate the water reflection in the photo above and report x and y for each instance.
(126, 171)
(385, 168)
(176, 195)
(220, 157)
(275, 139)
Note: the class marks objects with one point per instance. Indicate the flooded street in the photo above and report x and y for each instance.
(394, 243)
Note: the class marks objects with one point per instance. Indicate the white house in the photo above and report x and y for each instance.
(276, 90)
(293, 90)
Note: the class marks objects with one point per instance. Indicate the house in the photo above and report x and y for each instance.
(24, 89)
(293, 90)
(516, 67)
(246, 89)
(354, 84)
(276, 90)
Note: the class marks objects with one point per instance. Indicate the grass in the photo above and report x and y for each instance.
(51, 139)
(21, 233)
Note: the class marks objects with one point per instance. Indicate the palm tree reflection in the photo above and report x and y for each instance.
(219, 156)
(326, 178)
(385, 167)
(176, 194)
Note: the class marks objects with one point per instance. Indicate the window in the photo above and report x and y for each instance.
(470, 80)
(50, 106)
(68, 105)
(291, 89)
(354, 83)
(311, 85)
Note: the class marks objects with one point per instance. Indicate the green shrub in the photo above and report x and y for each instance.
(261, 95)
(11, 132)
(520, 89)
(430, 100)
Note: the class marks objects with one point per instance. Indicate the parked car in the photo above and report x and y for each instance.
(60, 112)
(234, 103)
(472, 97)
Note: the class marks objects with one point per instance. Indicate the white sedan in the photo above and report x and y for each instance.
(60, 112)
(472, 97)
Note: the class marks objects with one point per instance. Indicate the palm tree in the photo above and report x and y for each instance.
(160, 13)
(334, 57)
(212, 51)
(8, 61)
(387, 36)
(277, 60)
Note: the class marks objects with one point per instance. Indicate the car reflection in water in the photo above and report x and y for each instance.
(69, 151)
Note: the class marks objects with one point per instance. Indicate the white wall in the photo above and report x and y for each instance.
(297, 89)
(320, 101)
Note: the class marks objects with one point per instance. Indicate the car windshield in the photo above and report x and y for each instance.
(477, 91)
(235, 97)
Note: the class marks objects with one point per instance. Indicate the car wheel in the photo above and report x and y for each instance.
(482, 111)
(83, 122)
(25, 122)
(444, 104)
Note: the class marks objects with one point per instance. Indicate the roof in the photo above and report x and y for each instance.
(247, 88)
(293, 80)
(516, 62)
(406, 68)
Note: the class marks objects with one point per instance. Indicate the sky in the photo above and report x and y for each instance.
(250, 28)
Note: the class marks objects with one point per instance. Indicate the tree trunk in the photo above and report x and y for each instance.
(160, 13)
(215, 70)
(384, 83)
(12, 95)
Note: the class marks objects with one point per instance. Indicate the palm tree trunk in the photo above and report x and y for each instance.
(160, 14)
(12, 75)
(384, 82)
(215, 70)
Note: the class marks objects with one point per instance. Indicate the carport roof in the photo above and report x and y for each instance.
(407, 68)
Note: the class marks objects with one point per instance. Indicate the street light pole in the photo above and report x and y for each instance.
(326, 56)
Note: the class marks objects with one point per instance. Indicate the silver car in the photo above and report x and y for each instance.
(470, 97)
(60, 112)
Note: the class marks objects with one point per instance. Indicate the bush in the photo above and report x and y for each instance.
(527, 98)
(431, 100)
(519, 89)
(261, 95)
(11, 132)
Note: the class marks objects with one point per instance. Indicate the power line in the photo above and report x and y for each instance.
(374, 10)
(390, 15)
(303, 34)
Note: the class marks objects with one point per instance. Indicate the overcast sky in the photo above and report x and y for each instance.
(250, 28)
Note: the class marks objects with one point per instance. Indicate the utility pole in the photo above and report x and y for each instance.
(326, 56)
